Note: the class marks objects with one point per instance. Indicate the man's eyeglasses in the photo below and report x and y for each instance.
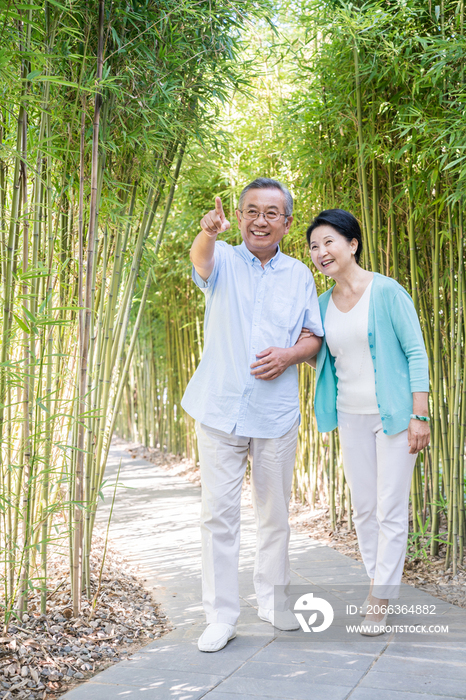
(252, 214)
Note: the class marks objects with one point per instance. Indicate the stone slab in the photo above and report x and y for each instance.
(222, 695)
(438, 653)
(421, 667)
(375, 694)
(186, 657)
(143, 677)
(425, 684)
(289, 689)
(311, 674)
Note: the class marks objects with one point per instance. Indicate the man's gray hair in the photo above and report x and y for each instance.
(266, 183)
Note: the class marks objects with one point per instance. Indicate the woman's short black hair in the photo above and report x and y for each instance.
(343, 222)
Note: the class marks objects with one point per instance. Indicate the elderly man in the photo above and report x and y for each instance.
(244, 398)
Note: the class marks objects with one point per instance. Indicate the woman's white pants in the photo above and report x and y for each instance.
(378, 468)
(223, 458)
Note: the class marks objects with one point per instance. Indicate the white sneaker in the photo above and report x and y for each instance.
(216, 636)
(372, 628)
(281, 619)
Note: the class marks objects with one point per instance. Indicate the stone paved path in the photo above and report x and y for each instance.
(156, 523)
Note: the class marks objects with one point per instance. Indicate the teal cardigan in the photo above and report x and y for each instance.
(398, 355)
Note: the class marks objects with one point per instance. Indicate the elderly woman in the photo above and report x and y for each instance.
(372, 381)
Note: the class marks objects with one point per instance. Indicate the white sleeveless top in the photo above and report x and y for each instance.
(346, 337)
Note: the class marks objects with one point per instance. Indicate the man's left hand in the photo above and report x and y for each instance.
(271, 363)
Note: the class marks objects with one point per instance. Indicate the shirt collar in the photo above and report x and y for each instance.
(252, 258)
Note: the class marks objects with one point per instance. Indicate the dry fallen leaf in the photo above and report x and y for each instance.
(56, 651)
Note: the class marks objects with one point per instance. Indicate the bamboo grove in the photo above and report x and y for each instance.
(98, 104)
(359, 106)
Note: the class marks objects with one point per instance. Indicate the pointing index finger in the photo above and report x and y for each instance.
(219, 208)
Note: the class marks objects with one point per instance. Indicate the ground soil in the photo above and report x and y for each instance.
(44, 656)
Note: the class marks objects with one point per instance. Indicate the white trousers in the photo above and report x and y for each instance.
(223, 458)
(379, 470)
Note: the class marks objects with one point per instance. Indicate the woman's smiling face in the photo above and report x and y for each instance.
(331, 252)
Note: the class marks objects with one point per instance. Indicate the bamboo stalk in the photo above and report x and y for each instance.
(362, 167)
(393, 229)
(79, 492)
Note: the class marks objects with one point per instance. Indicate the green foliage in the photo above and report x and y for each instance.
(98, 104)
(360, 106)
(420, 541)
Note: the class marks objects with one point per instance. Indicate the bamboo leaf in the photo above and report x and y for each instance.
(22, 324)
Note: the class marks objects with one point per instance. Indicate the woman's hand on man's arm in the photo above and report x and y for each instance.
(305, 334)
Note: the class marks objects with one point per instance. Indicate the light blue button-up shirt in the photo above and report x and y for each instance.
(248, 309)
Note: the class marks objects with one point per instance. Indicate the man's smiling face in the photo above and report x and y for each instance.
(260, 235)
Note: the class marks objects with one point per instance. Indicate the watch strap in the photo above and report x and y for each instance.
(423, 418)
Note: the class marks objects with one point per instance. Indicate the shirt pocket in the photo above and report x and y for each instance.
(281, 313)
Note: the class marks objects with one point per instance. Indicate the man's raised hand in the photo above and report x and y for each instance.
(215, 222)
